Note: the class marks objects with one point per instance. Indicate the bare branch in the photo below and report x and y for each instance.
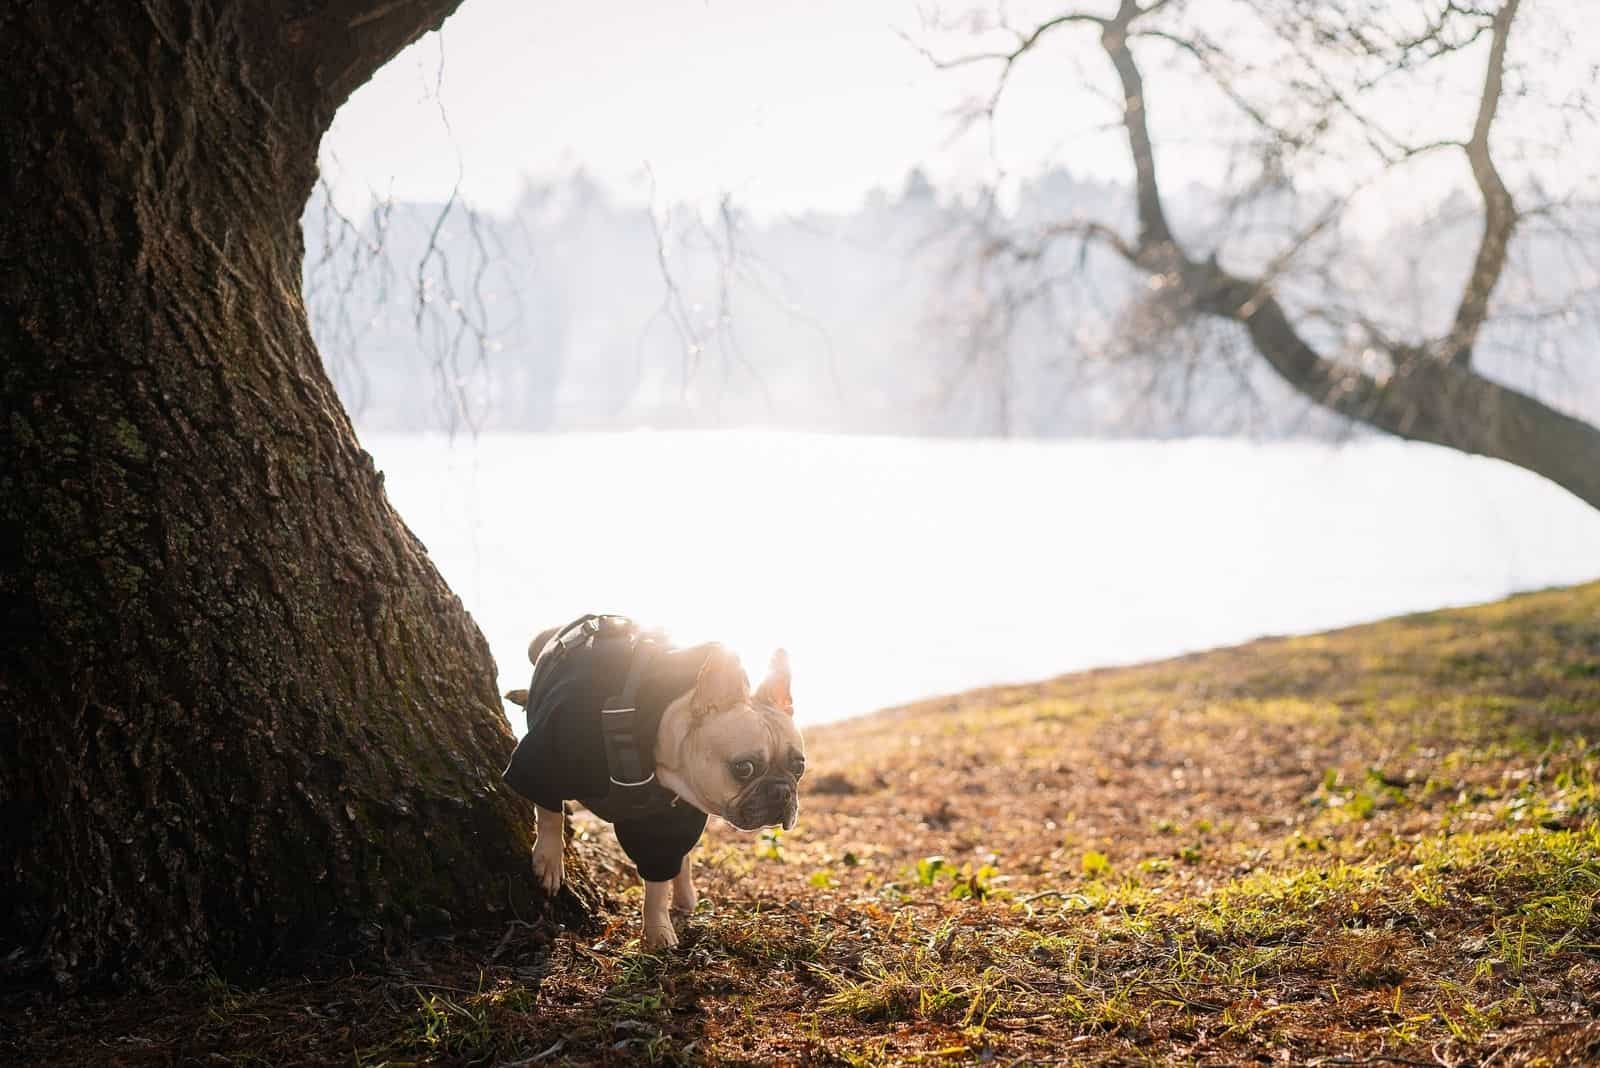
(1087, 229)
(673, 305)
(1499, 211)
(1025, 44)
(1209, 55)
(1155, 235)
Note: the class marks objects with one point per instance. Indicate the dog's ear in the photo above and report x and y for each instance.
(721, 683)
(774, 689)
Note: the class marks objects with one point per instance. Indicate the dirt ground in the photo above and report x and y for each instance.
(1375, 846)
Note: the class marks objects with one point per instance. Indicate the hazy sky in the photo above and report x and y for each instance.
(792, 105)
(786, 104)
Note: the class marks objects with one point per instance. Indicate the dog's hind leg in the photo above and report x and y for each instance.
(548, 847)
(684, 897)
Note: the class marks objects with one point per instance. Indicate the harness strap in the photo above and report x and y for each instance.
(584, 630)
(627, 733)
(620, 727)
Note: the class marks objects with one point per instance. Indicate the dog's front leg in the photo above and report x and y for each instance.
(684, 897)
(548, 847)
(658, 932)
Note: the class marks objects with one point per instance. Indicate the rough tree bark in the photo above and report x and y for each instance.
(241, 715)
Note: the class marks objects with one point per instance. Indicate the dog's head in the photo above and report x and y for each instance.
(736, 753)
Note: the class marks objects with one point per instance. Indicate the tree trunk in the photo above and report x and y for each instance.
(241, 715)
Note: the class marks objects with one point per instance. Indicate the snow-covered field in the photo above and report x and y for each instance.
(896, 568)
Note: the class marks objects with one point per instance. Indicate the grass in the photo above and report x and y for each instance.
(1379, 845)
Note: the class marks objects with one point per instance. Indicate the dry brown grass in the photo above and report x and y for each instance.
(1374, 846)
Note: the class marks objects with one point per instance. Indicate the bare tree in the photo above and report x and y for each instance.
(1315, 86)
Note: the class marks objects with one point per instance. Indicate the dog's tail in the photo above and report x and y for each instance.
(535, 647)
(540, 640)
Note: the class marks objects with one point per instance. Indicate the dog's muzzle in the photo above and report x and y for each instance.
(765, 803)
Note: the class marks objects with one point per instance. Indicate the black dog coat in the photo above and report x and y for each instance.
(564, 755)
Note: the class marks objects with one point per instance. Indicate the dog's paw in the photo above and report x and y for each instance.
(547, 869)
(684, 898)
(659, 934)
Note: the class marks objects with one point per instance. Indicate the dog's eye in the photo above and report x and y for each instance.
(797, 767)
(743, 770)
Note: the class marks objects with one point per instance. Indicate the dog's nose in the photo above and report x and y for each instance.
(781, 791)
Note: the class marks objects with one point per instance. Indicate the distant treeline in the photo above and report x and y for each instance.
(579, 310)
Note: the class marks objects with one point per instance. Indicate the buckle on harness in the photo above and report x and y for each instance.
(576, 635)
(587, 630)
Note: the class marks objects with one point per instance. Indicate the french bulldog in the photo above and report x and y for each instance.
(718, 749)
